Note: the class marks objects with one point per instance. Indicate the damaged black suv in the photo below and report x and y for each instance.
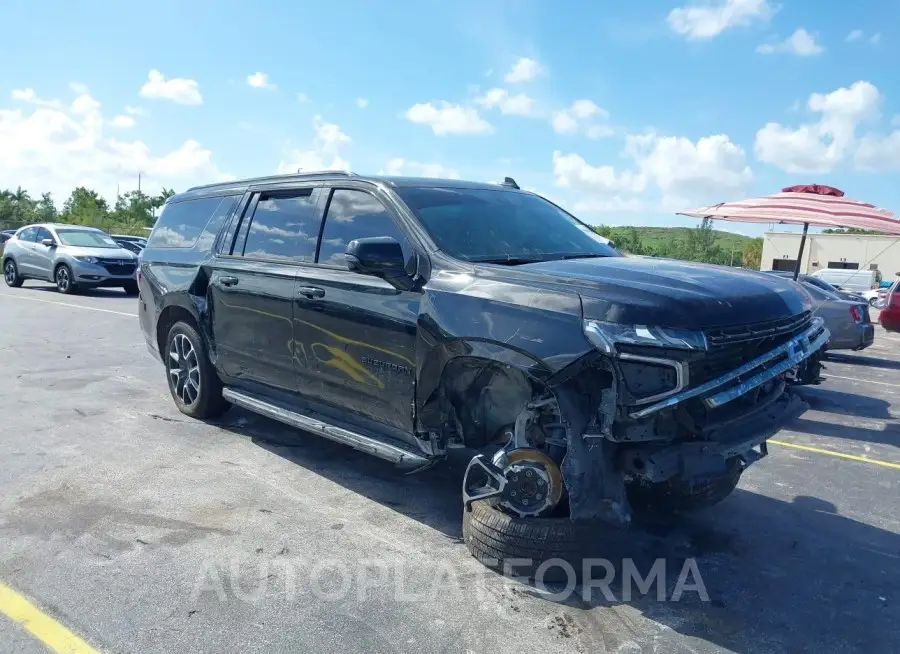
(405, 317)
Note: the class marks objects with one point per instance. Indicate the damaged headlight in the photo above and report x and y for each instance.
(605, 335)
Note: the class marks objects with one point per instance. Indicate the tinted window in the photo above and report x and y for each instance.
(352, 215)
(284, 226)
(181, 223)
(488, 224)
(43, 233)
(209, 233)
(27, 234)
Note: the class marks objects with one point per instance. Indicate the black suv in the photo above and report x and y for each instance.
(405, 317)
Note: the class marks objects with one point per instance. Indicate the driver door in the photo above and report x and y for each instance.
(43, 254)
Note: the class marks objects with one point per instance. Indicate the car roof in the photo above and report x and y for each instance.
(240, 186)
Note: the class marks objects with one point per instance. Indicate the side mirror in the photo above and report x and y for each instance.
(49, 242)
(380, 256)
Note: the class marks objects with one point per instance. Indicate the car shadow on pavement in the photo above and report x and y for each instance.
(858, 360)
(779, 576)
(89, 292)
(890, 435)
(850, 404)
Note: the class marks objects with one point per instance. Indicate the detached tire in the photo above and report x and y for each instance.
(497, 539)
(682, 497)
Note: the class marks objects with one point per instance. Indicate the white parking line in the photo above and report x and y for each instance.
(862, 381)
(67, 304)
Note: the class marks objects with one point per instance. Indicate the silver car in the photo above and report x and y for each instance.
(71, 256)
(848, 321)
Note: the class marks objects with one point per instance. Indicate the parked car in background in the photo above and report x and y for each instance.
(5, 235)
(133, 244)
(889, 317)
(850, 280)
(822, 284)
(848, 321)
(72, 256)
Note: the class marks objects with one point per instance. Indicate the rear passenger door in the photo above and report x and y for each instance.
(252, 286)
(25, 259)
(355, 334)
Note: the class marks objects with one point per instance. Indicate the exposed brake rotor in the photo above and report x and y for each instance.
(534, 484)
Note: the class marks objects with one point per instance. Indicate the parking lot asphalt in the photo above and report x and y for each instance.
(139, 529)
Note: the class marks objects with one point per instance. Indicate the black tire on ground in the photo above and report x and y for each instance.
(873, 301)
(202, 398)
(497, 539)
(680, 497)
(11, 274)
(131, 288)
(65, 280)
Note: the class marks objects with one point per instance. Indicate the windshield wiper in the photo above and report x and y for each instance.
(584, 255)
(508, 260)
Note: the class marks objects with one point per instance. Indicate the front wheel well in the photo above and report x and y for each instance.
(168, 317)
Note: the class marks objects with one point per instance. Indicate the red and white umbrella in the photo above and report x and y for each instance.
(811, 204)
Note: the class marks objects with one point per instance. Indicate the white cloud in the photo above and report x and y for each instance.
(800, 43)
(524, 70)
(512, 105)
(708, 20)
(404, 167)
(302, 98)
(260, 81)
(362, 103)
(29, 95)
(448, 119)
(877, 152)
(875, 39)
(56, 148)
(819, 146)
(854, 35)
(134, 111)
(122, 120)
(178, 89)
(324, 153)
(678, 170)
(582, 117)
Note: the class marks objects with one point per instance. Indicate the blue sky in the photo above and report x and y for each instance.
(622, 112)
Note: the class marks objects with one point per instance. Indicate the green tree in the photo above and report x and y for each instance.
(752, 255)
(44, 209)
(85, 207)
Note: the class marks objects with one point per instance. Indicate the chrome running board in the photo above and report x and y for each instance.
(401, 457)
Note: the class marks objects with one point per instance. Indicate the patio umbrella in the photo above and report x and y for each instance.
(809, 204)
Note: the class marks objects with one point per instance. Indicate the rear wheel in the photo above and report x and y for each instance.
(65, 281)
(11, 274)
(193, 381)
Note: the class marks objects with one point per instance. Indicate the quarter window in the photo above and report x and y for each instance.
(284, 226)
(352, 215)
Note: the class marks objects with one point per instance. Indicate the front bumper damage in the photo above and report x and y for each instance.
(661, 441)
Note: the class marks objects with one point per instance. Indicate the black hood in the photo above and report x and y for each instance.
(670, 293)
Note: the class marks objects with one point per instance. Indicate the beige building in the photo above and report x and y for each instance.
(853, 251)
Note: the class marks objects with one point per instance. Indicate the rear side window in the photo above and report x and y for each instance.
(284, 226)
(222, 212)
(181, 223)
(352, 215)
(27, 234)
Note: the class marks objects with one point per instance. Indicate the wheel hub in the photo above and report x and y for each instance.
(533, 482)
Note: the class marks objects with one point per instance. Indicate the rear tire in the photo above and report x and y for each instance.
(131, 288)
(873, 301)
(11, 274)
(193, 382)
(65, 280)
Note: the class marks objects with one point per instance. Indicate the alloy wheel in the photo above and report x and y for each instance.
(9, 273)
(184, 369)
(62, 279)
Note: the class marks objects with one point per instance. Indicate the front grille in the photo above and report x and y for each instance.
(729, 347)
(118, 266)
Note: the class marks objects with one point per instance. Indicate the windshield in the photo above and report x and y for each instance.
(501, 226)
(85, 238)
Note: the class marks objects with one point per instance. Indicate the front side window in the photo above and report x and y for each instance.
(351, 215)
(87, 238)
(284, 226)
(501, 226)
(43, 233)
(181, 223)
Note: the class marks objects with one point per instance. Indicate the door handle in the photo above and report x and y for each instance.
(311, 291)
(228, 281)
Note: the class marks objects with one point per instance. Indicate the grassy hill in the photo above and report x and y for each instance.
(701, 243)
(655, 237)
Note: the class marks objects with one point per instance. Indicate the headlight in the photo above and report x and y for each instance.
(87, 259)
(605, 335)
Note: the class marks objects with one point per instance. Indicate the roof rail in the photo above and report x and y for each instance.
(325, 171)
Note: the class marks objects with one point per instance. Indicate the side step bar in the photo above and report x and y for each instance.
(401, 457)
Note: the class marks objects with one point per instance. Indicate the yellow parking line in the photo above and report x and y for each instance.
(47, 630)
(852, 457)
